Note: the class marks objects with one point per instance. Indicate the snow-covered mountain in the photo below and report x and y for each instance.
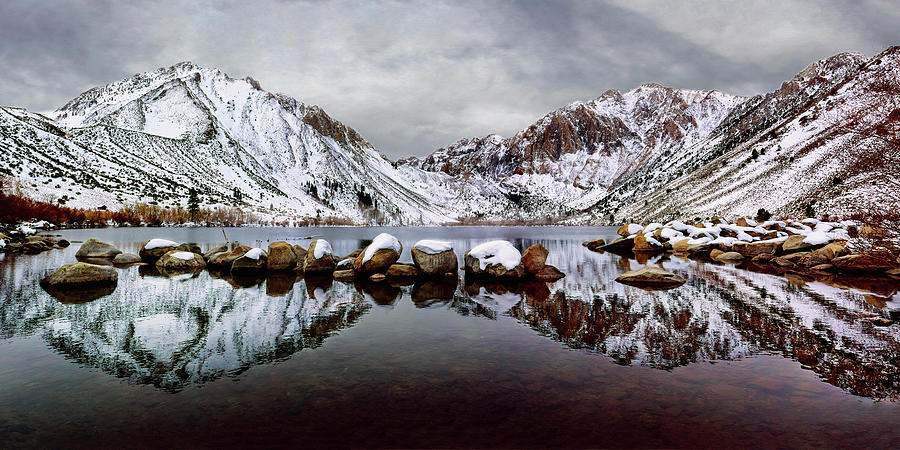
(649, 153)
(156, 135)
(657, 152)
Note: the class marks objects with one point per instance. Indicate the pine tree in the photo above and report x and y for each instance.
(193, 204)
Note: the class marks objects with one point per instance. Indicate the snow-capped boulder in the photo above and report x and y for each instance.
(281, 256)
(534, 258)
(434, 258)
(496, 259)
(379, 255)
(178, 260)
(94, 248)
(629, 229)
(799, 243)
(254, 260)
(81, 274)
(319, 257)
(647, 244)
(153, 249)
(123, 259)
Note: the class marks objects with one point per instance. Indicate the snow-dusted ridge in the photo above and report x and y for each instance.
(653, 152)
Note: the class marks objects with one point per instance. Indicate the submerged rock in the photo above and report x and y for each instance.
(402, 271)
(94, 248)
(81, 274)
(126, 258)
(651, 277)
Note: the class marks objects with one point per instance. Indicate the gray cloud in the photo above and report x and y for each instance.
(414, 76)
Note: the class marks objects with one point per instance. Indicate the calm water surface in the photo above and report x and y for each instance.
(733, 358)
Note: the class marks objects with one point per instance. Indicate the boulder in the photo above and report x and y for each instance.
(651, 277)
(81, 274)
(823, 255)
(534, 258)
(34, 247)
(281, 256)
(190, 247)
(379, 255)
(126, 258)
(729, 257)
(62, 243)
(155, 248)
(629, 229)
(180, 260)
(714, 253)
(402, 271)
(795, 243)
(700, 250)
(225, 260)
(742, 222)
(93, 248)
(549, 273)
(594, 244)
(209, 254)
(254, 260)
(300, 254)
(344, 275)
(433, 262)
(319, 257)
(619, 245)
(764, 258)
(751, 249)
(862, 263)
(643, 244)
(495, 259)
(377, 277)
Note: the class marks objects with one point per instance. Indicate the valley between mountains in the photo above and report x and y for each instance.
(827, 142)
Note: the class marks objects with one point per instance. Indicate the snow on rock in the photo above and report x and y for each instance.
(432, 247)
(817, 238)
(2, 243)
(634, 228)
(184, 256)
(160, 243)
(497, 252)
(323, 248)
(256, 253)
(382, 241)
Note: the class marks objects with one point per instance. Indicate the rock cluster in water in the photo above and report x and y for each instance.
(376, 262)
(808, 246)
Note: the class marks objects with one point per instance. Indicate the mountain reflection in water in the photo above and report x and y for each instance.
(176, 330)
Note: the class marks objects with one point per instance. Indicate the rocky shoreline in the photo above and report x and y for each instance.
(810, 248)
(493, 261)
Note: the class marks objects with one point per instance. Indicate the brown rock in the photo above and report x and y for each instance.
(300, 254)
(893, 273)
(377, 277)
(93, 248)
(171, 263)
(324, 264)
(623, 230)
(728, 257)
(435, 264)
(126, 258)
(619, 245)
(742, 222)
(651, 277)
(225, 260)
(784, 262)
(281, 256)
(81, 274)
(534, 258)
(379, 262)
(209, 254)
(822, 268)
(795, 244)
(862, 263)
(355, 253)
(594, 244)
(751, 249)
(246, 264)
(344, 275)
(190, 247)
(549, 273)
(402, 271)
(642, 245)
(763, 258)
(714, 253)
(152, 254)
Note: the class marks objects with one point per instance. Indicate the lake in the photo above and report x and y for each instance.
(732, 358)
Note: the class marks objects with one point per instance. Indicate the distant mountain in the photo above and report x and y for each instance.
(650, 153)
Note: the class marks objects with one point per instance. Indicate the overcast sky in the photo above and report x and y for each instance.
(415, 76)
